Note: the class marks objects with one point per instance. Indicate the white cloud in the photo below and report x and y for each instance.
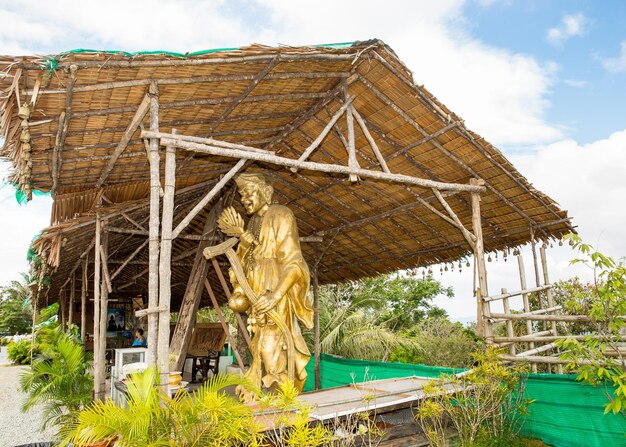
(576, 83)
(616, 64)
(587, 180)
(571, 25)
(500, 93)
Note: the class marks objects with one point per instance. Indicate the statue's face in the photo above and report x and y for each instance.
(253, 198)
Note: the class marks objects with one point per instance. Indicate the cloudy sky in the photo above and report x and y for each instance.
(543, 81)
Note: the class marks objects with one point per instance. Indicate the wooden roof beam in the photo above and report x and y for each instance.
(246, 154)
(140, 114)
(315, 143)
(192, 80)
(239, 99)
(182, 62)
(64, 124)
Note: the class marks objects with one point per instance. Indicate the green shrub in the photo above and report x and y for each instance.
(58, 379)
(19, 352)
(485, 407)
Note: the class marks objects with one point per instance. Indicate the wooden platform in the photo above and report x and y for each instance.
(389, 400)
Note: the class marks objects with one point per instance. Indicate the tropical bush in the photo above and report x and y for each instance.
(58, 378)
(19, 352)
(151, 418)
(484, 404)
(600, 358)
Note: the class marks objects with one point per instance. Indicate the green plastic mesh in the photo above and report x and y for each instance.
(565, 413)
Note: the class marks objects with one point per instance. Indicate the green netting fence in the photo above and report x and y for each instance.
(565, 413)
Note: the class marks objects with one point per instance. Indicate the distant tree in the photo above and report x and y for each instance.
(365, 319)
(441, 343)
(15, 307)
(575, 297)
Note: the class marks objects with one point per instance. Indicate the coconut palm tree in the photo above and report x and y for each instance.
(350, 325)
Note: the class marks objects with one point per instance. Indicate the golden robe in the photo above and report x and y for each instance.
(264, 264)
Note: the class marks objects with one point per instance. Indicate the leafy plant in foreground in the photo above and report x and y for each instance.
(58, 379)
(600, 357)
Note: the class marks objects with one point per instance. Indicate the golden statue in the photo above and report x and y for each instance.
(271, 259)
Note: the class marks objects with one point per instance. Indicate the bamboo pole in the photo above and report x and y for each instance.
(540, 317)
(517, 293)
(70, 311)
(316, 320)
(220, 316)
(190, 80)
(550, 338)
(97, 368)
(64, 124)
(165, 271)
(207, 198)
(129, 258)
(317, 141)
(371, 141)
(352, 161)
(190, 237)
(153, 247)
(142, 109)
(102, 333)
(529, 324)
(509, 323)
(83, 302)
(168, 139)
(183, 62)
(484, 326)
(469, 237)
(546, 282)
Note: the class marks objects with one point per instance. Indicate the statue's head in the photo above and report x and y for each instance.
(256, 192)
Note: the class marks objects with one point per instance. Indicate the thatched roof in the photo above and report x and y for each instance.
(271, 98)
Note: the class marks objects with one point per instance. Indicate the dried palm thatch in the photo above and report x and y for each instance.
(83, 142)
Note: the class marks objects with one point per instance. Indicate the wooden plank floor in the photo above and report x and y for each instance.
(375, 397)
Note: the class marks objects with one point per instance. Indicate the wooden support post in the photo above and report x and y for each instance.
(102, 332)
(153, 257)
(193, 293)
(83, 301)
(509, 323)
(484, 326)
(529, 324)
(70, 310)
(62, 308)
(98, 370)
(207, 285)
(316, 320)
(352, 161)
(546, 282)
(165, 268)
